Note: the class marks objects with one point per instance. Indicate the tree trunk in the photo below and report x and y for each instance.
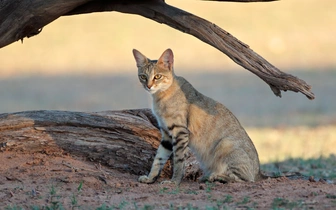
(123, 140)
(25, 18)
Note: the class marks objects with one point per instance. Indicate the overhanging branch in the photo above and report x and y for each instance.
(210, 34)
(243, 1)
(23, 18)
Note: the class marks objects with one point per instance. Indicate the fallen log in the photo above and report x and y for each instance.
(123, 140)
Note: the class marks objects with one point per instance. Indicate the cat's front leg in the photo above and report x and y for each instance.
(180, 143)
(163, 153)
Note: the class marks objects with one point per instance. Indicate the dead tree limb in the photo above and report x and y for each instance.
(243, 1)
(20, 19)
(123, 140)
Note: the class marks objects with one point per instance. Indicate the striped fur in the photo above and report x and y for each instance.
(187, 118)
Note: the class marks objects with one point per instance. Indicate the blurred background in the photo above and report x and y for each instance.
(85, 63)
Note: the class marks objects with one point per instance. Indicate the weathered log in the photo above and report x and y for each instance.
(20, 19)
(123, 140)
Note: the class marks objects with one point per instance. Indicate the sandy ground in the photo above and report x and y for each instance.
(60, 181)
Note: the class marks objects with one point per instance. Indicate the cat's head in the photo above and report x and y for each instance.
(155, 75)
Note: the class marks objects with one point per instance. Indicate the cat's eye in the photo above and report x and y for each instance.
(158, 76)
(143, 77)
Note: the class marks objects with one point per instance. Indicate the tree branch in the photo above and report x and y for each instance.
(19, 19)
(243, 1)
(211, 34)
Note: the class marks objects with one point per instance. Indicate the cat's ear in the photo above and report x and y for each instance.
(140, 59)
(167, 59)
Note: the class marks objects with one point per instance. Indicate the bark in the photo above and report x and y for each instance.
(123, 140)
(20, 19)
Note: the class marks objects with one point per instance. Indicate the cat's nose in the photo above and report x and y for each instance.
(149, 85)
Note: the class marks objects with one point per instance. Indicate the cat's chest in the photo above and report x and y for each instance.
(170, 113)
(163, 113)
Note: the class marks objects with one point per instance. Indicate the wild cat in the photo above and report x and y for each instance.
(187, 118)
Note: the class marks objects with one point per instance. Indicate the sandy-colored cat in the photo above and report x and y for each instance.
(187, 118)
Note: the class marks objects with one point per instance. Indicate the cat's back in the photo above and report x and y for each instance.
(206, 115)
(199, 102)
(191, 94)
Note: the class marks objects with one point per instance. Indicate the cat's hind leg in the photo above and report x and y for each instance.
(221, 173)
(225, 178)
(236, 173)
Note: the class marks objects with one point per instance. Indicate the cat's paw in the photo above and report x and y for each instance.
(145, 179)
(222, 178)
(203, 179)
(170, 182)
(211, 178)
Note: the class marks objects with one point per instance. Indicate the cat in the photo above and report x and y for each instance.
(187, 118)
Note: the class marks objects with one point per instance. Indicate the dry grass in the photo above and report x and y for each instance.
(308, 150)
(290, 34)
(279, 144)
